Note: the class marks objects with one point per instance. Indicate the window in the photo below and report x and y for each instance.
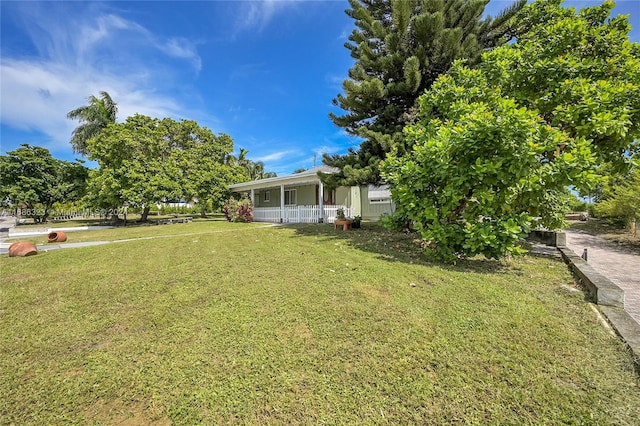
(290, 197)
(267, 196)
(330, 197)
(379, 194)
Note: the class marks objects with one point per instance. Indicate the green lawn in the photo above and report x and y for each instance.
(139, 231)
(301, 324)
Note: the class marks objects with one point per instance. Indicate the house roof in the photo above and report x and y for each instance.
(308, 176)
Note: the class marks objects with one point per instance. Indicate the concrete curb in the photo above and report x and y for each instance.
(610, 300)
(604, 291)
(550, 238)
(626, 327)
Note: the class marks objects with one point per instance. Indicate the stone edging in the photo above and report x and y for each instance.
(609, 297)
(604, 291)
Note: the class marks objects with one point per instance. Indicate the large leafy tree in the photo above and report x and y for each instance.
(497, 146)
(147, 160)
(136, 165)
(621, 200)
(206, 175)
(580, 72)
(481, 171)
(94, 118)
(32, 181)
(400, 47)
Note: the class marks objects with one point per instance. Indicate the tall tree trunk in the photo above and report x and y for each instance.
(203, 211)
(145, 213)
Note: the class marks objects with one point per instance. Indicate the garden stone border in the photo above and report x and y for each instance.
(608, 296)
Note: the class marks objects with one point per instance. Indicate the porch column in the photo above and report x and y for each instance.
(321, 201)
(281, 203)
(253, 197)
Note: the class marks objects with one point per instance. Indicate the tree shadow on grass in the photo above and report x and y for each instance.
(395, 246)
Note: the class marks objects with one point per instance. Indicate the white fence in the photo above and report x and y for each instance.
(266, 214)
(298, 214)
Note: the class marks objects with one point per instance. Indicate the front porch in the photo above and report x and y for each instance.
(298, 198)
(299, 214)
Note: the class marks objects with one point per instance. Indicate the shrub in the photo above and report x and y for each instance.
(577, 205)
(179, 210)
(356, 222)
(238, 211)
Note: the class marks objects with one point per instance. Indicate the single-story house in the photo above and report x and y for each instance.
(302, 197)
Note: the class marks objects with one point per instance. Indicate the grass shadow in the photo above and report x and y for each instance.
(395, 246)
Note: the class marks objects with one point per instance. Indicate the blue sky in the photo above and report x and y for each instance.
(264, 72)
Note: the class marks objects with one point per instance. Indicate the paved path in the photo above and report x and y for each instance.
(6, 224)
(620, 265)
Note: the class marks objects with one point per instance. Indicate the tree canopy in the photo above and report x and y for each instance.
(94, 118)
(496, 147)
(147, 160)
(400, 48)
(481, 171)
(33, 181)
(579, 71)
(621, 200)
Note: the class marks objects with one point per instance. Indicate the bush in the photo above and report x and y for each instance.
(396, 221)
(238, 211)
(179, 210)
(577, 205)
(621, 203)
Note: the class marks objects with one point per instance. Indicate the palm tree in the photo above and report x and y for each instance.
(231, 160)
(253, 169)
(94, 118)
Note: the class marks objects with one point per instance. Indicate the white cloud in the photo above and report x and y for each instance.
(185, 49)
(346, 32)
(275, 156)
(36, 96)
(334, 82)
(84, 54)
(326, 149)
(258, 14)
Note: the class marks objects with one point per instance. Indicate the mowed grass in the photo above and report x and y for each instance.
(301, 325)
(199, 226)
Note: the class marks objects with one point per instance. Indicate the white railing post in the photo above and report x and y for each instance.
(282, 214)
(321, 202)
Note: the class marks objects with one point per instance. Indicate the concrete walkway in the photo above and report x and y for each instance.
(618, 264)
(7, 223)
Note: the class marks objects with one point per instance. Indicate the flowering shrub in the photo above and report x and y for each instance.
(238, 211)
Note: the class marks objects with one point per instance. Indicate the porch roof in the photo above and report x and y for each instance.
(308, 176)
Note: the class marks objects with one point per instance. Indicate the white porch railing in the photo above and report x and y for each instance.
(330, 212)
(266, 214)
(298, 214)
